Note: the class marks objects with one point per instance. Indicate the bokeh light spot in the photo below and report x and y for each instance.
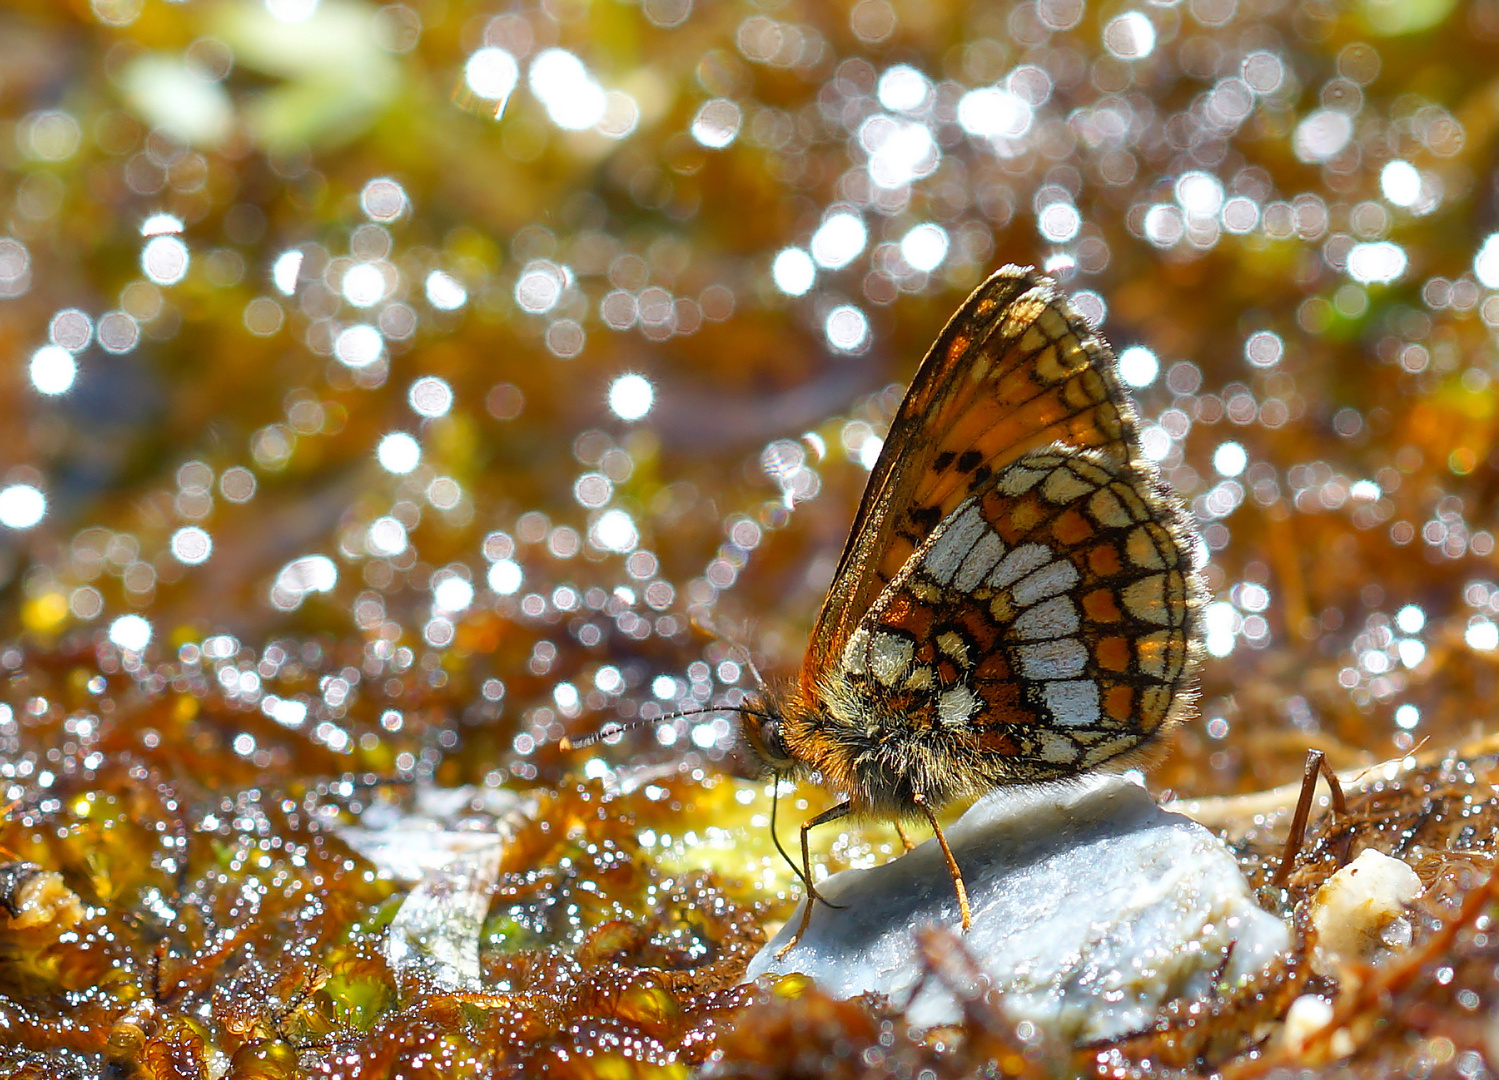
(1058, 222)
(573, 98)
(615, 531)
(453, 594)
(430, 396)
(839, 240)
(924, 247)
(445, 292)
(847, 329)
(1400, 183)
(631, 396)
(505, 577)
(1130, 36)
(364, 285)
(1138, 366)
(1263, 348)
(1230, 459)
(284, 272)
(991, 112)
(1486, 262)
(52, 370)
(131, 633)
(383, 199)
(492, 73)
(165, 260)
(793, 271)
(191, 545)
(903, 89)
(398, 453)
(1410, 619)
(1380, 262)
(717, 123)
(359, 345)
(21, 506)
(386, 536)
(71, 329)
(1322, 134)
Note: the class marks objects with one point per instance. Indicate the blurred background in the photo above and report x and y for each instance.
(389, 389)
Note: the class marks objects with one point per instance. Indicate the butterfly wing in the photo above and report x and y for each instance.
(1015, 369)
(1048, 625)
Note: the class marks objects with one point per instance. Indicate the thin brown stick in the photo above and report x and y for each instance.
(1316, 761)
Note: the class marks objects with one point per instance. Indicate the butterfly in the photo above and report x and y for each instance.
(1018, 600)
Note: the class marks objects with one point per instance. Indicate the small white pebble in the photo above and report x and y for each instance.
(1308, 1015)
(1358, 910)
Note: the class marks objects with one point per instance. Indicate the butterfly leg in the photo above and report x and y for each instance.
(952, 864)
(900, 830)
(830, 814)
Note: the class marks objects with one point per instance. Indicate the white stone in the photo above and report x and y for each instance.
(440, 844)
(1092, 907)
(1359, 912)
(1308, 1015)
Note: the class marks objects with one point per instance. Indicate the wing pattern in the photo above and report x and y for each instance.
(1015, 369)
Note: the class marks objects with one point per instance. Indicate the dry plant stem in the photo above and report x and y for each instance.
(1316, 761)
(944, 958)
(952, 864)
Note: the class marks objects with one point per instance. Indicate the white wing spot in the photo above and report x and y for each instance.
(1063, 486)
(1103, 751)
(1018, 563)
(1062, 659)
(1108, 511)
(1072, 702)
(853, 652)
(1051, 579)
(890, 655)
(1018, 479)
(959, 533)
(979, 562)
(1151, 651)
(953, 645)
(1146, 599)
(1056, 748)
(1055, 618)
(1140, 548)
(956, 706)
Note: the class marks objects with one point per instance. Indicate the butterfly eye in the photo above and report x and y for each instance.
(764, 736)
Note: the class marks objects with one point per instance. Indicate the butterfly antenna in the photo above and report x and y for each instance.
(616, 728)
(567, 742)
(703, 622)
(749, 662)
